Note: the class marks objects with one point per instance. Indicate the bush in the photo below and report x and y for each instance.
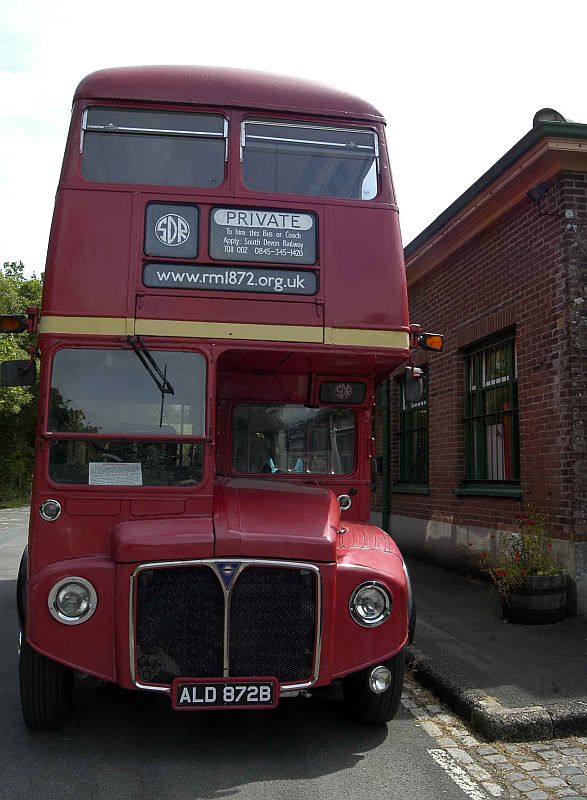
(520, 554)
(18, 405)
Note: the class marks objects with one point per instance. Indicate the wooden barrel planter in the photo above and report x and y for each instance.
(540, 599)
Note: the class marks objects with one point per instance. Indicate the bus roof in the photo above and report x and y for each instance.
(221, 86)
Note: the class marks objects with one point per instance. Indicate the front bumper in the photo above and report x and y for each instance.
(112, 644)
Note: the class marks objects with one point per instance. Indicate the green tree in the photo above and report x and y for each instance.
(18, 405)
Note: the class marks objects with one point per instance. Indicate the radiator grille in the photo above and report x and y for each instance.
(179, 624)
(272, 615)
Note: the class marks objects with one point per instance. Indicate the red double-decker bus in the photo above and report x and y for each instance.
(224, 290)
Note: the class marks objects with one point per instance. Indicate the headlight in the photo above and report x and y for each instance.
(72, 600)
(370, 604)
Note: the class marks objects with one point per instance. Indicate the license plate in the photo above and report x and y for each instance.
(214, 693)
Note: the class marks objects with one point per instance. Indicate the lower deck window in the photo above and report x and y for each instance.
(117, 415)
(114, 462)
(109, 391)
(289, 439)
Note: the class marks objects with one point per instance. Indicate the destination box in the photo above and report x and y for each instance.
(262, 234)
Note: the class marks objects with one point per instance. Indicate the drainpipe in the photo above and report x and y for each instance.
(385, 431)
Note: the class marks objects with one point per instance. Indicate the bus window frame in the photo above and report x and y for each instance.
(229, 465)
(233, 186)
(206, 440)
(115, 346)
(323, 123)
(109, 487)
(223, 112)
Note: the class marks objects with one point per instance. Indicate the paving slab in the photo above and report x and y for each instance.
(509, 681)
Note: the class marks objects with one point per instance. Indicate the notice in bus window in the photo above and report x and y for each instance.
(262, 234)
(115, 474)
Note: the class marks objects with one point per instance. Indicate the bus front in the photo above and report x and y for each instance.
(224, 290)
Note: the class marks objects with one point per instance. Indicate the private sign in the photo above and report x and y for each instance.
(263, 219)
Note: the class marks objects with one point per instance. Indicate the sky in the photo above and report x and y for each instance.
(458, 82)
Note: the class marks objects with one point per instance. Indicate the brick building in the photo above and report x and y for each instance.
(502, 274)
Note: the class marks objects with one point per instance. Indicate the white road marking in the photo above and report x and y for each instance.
(458, 774)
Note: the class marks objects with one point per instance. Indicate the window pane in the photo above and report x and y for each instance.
(308, 160)
(491, 414)
(293, 439)
(115, 119)
(105, 462)
(160, 148)
(496, 365)
(110, 391)
(413, 436)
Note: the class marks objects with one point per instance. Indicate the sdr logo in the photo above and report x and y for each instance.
(172, 230)
(343, 391)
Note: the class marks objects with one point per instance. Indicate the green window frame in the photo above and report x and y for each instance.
(413, 437)
(491, 426)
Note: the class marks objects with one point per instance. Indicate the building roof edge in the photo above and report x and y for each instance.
(544, 130)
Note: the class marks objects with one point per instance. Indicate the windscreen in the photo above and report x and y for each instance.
(116, 462)
(309, 160)
(163, 148)
(290, 439)
(108, 393)
(112, 392)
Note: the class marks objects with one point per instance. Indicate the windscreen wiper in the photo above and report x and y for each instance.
(159, 376)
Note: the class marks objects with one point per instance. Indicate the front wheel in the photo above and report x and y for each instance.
(46, 690)
(368, 707)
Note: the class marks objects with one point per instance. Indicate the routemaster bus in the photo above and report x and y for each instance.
(224, 290)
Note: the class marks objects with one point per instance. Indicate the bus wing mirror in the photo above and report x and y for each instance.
(414, 385)
(18, 373)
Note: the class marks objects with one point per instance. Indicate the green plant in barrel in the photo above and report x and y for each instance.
(521, 557)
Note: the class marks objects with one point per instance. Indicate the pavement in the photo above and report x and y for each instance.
(509, 682)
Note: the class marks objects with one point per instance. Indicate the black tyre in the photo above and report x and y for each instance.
(46, 689)
(365, 706)
(21, 589)
(412, 622)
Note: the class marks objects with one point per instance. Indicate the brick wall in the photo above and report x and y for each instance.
(528, 271)
(574, 377)
(376, 483)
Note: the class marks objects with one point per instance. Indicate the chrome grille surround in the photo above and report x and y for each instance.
(214, 564)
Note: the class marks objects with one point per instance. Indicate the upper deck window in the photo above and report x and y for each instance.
(310, 160)
(162, 148)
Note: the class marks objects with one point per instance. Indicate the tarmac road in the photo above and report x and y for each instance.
(132, 745)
